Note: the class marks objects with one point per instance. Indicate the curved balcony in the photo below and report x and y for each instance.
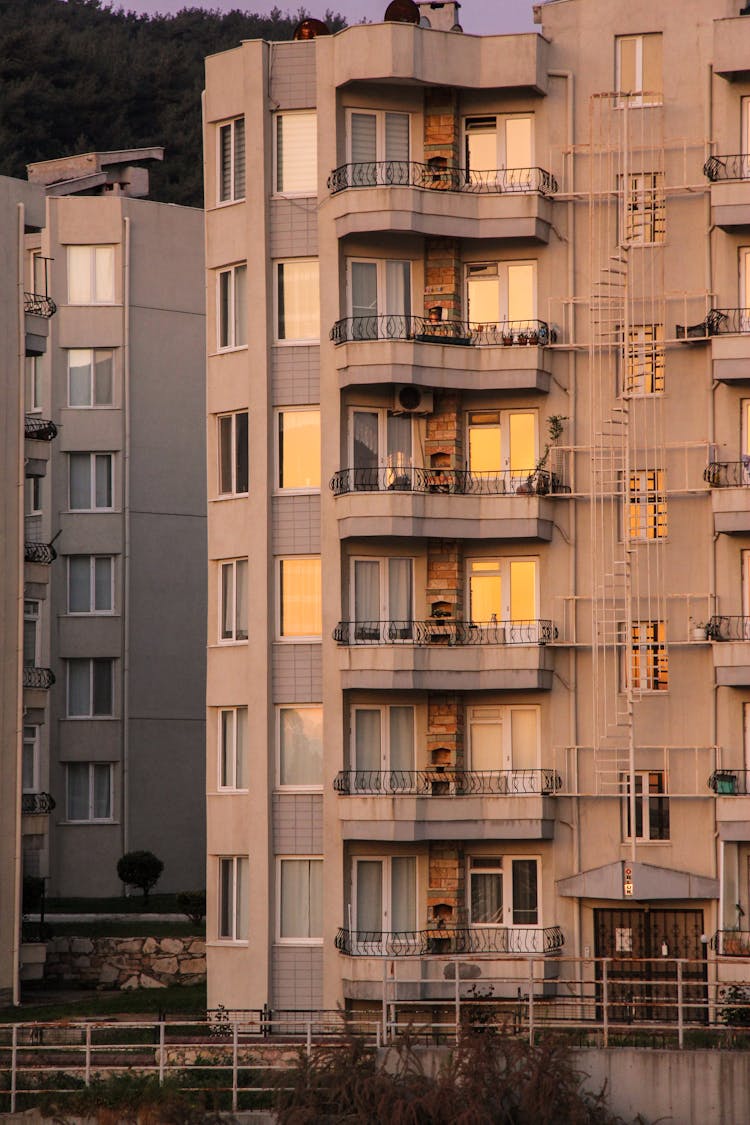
(34, 804)
(39, 304)
(442, 782)
(441, 631)
(730, 507)
(39, 429)
(460, 482)
(730, 189)
(450, 939)
(728, 332)
(731, 656)
(435, 177)
(397, 326)
(41, 678)
(43, 553)
(728, 628)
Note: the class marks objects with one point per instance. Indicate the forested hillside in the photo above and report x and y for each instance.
(76, 75)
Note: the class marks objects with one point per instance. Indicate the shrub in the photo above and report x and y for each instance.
(140, 869)
(32, 894)
(193, 905)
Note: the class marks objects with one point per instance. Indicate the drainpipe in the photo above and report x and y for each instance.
(17, 847)
(125, 780)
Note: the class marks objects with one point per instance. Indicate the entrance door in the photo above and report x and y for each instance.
(642, 973)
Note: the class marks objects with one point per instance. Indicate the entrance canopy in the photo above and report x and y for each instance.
(625, 880)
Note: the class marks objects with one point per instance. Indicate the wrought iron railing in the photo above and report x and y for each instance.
(37, 677)
(728, 628)
(40, 429)
(37, 803)
(504, 482)
(450, 939)
(733, 167)
(33, 933)
(728, 474)
(715, 321)
(399, 326)
(39, 304)
(410, 173)
(443, 782)
(729, 783)
(731, 943)
(441, 631)
(39, 552)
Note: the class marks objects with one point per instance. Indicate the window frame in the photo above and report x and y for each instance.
(646, 507)
(232, 309)
(384, 710)
(505, 868)
(32, 741)
(91, 405)
(384, 458)
(501, 139)
(33, 389)
(237, 753)
(233, 415)
(240, 881)
(635, 98)
(231, 124)
(93, 455)
(505, 470)
(278, 117)
(32, 616)
(380, 116)
(91, 819)
(295, 787)
(642, 218)
(386, 892)
(92, 248)
(384, 590)
(307, 638)
(92, 612)
(283, 939)
(91, 714)
(502, 714)
(291, 341)
(647, 660)
(33, 496)
(643, 360)
(503, 570)
(381, 285)
(234, 638)
(502, 274)
(644, 799)
(278, 487)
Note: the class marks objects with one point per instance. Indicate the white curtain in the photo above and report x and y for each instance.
(365, 439)
(79, 687)
(296, 153)
(398, 288)
(104, 273)
(80, 481)
(79, 588)
(399, 590)
(102, 583)
(366, 590)
(369, 874)
(364, 289)
(79, 275)
(300, 597)
(402, 738)
(299, 300)
(399, 440)
(301, 745)
(102, 792)
(403, 893)
(301, 898)
(487, 898)
(367, 739)
(78, 791)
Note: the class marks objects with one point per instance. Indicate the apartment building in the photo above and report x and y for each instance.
(478, 663)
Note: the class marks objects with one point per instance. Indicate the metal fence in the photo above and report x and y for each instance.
(441, 630)
(441, 781)
(461, 482)
(423, 330)
(736, 166)
(728, 474)
(728, 628)
(439, 176)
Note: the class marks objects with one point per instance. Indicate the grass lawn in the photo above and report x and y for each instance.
(134, 904)
(106, 928)
(188, 1001)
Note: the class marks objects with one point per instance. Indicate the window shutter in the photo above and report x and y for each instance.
(397, 136)
(225, 159)
(239, 158)
(364, 137)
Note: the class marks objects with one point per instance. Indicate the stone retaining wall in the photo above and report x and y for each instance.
(126, 963)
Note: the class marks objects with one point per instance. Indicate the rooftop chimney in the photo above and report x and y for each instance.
(442, 16)
(124, 172)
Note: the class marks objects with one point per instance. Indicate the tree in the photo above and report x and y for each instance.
(140, 869)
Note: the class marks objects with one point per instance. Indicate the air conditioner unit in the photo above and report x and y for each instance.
(408, 399)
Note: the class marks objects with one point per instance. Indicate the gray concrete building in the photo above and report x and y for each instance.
(478, 579)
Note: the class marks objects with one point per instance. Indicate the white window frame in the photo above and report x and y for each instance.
(33, 496)
(385, 734)
(91, 713)
(503, 565)
(386, 901)
(91, 405)
(501, 269)
(380, 119)
(278, 119)
(91, 611)
(33, 742)
(636, 98)
(500, 120)
(650, 660)
(280, 860)
(279, 412)
(32, 615)
(384, 591)
(240, 882)
(236, 753)
(643, 219)
(234, 491)
(644, 798)
(506, 870)
(503, 424)
(91, 819)
(311, 638)
(232, 309)
(502, 715)
(34, 376)
(291, 341)
(385, 460)
(92, 480)
(94, 299)
(381, 265)
(643, 361)
(234, 196)
(286, 787)
(235, 637)
(646, 506)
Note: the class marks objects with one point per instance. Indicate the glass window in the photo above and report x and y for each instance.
(301, 900)
(503, 590)
(383, 599)
(500, 151)
(233, 898)
(90, 377)
(644, 360)
(30, 634)
(233, 600)
(299, 448)
(385, 897)
(90, 688)
(90, 583)
(506, 738)
(91, 275)
(647, 505)
(651, 806)
(645, 204)
(233, 307)
(30, 760)
(501, 291)
(298, 300)
(649, 661)
(89, 791)
(490, 880)
(639, 69)
(376, 289)
(233, 748)
(90, 481)
(300, 732)
(382, 740)
(376, 136)
(233, 453)
(380, 439)
(300, 598)
(503, 443)
(33, 496)
(296, 153)
(232, 160)
(34, 384)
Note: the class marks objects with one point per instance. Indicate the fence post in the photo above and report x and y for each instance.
(308, 1039)
(605, 1002)
(385, 1002)
(13, 1061)
(87, 1077)
(161, 1052)
(235, 1038)
(531, 1002)
(457, 994)
(680, 1011)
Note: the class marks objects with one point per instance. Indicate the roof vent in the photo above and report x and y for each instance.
(402, 11)
(310, 29)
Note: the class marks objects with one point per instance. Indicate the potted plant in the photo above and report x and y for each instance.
(533, 338)
(507, 338)
(724, 783)
(538, 481)
(523, 337)
(699, 630)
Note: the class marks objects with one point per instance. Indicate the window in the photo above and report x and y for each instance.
(490, 903)
(385, 896)
(33, 384)
(90, 688)
(233, 609)
(30, 634)
(91, 275)
(505, 738)
(383, 599)
(649, 665)
(378, 288)
(382, 739)
(380, 439)
(300, 610)
(300, 900)
(647, 505)
(33, 496)
(504, 144)
(298, 301)
(89, 791)
(503, 443)
(501, 291)
(39, 273)
(644, 360)
(373, 137)
(298, 455)
(300, 737)
(503, 590)
(651, 806)
(233, 307)
(90, 583)
(233, 748)
(90, 376)
(90, 482)
(638, 69)
(233, 454)
(644, 201)
(30, 760)
(232, 160)
(233, 898)
(296, 153)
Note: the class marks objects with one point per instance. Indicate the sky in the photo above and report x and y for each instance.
(478, 17)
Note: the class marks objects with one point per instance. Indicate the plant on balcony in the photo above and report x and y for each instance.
(538, 481)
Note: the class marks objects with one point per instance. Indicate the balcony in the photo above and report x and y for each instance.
(512, 940)
(440, 201)
(731, 943)
(39, 429)
(730, 190)
(729, 500)
(731, 48)
(37, 679)
(729, 334)
(732, 652)
(43, 553)
(443, 782)
(445, 655)
(395, 348)
(732, 789)
(37, 804)
(38, 308)
(446, 503)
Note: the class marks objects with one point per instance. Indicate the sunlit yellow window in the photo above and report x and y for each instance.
(649, 663)
(639, 69)
(501, 291)
(502, 590)
(644, 360)
(645, 208)
(300, 597)
(503, 442)
(299, 449)
(647, 505)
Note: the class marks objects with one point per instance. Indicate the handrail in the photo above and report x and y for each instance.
(34, 552)
(37, 803)
(39, 304)
(728, 474)
(442, 631)
(39, 429)
(411, 173)
(736, 166)
(401, 326)
(731, 943)
(728, 628)
(37, 677)
(408, 478)
(449, 939)
(443, 782)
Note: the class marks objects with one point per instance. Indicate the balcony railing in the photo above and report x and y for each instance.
(729, 783)
(399, 326)
(731, 943)
(723, 628)
(409, 173)
(716, 321)
(504, 482)
(439, 631)
(450, 939)
(40, 429)
(38, 677)
(39, 304)
(728, 474)
(442, 782)
(39, 552)
(37, 803)
(734, 167)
